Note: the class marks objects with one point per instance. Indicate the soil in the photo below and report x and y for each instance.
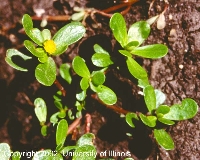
(177, 75)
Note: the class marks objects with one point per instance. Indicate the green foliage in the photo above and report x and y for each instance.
(61, 132)
(5, 151)
(150, 98)
(163, 139)
(65, 72)
(148, 120)
(40, 110)
(129, 117)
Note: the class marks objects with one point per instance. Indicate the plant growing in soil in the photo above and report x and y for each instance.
(44, 47)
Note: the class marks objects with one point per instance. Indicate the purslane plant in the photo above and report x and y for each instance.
(45, 47)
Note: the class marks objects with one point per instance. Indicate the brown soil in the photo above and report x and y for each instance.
(177, 75)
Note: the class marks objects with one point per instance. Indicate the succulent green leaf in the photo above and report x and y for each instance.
(85, 149)
(80, 67)
(70, 115)
(47, 154)
(98, 78)
(135, 69)
(61, 132)
(163, 139)
(86, 139)
(139, 31)
(81, 95)
(44, 130)
(5, 151)
(186, 110)
(67, 35)
(60, 49)
(101, 60)
(45, 73)
(13, 52)
(43, 59)
(16, 155)
(150, 98)
(125, 53)
(129, 117)
(27, 22)
(163, 109)
(40, 109)
(39, 52)
(118, 27)
(160, 97)
(84, 83)
(148, 120)
(65, 72)
(78, 16)
(54, 119)
(99, 49)
(46, 34)
(106, 95)
(62, 114)
(131, 45)
(143, 82)
(36, 35)
(67, 149)
(58, 104)
(166, 121)
(153, 51)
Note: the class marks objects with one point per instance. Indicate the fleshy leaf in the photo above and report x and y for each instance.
(39, 52)
(44, 130)
(118, 27)
(84, 83)
(45, 73)
(135, 69)
(129, 117)
(67, 35)
(148, 120)
(163, 139)
(81, 96)
(163, 109)
(43, 59)
(61, 132)
(98, 78)
(46, 34)
(65, 72)
(166, 121)
(54, 119)
(125, 53)
(101, 60)
(131, 45)
(153, 51)
(160, 97)
(13, 52)
(36, 35)
(186, 110)
(27, 22)
(78, 16)
(143, 82)
(80, 67)
(139, 31)
(5, 151)
(150, 98)
(106, 95)
(99, 49)
(16, 155)
(86, 139)
(40, 109)
(83, 149)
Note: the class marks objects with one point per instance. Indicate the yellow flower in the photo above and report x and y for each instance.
(50, 46)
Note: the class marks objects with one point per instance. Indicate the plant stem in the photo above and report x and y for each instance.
(112, 107)
(52, 18)
(88, 121)
(60, 87)
(74, 125)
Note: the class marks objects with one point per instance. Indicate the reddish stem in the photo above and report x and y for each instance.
(60, 87)
(88, 121)
(73, 125)
(52, 18)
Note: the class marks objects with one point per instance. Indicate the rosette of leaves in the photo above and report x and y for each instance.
(158, 112)
(130, 42)
(44, 47)
(93, 80)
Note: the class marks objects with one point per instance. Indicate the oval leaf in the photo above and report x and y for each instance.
(135, 69)
(151, 51)
(65, 72)
(84, 83)
(139, 31)
(163, 139)
(78, 154)
(45, 73)
(27, 22)
(80, 67)
(5, 151)
(40, 109)
(46, 34)
(86, 139)
(148, 120)
(99, 49)
(44, 130)
(13, 52)
(160, 97)
(186, 110)
(69, 34)
(166, 121)
(163, 109)
(61, 132)
(106, 95)
(81, 95)
(98, 78)
(125, 53)
(36, 35)
(129, 117)
(150, 98)
(101, 60)
(118, 27)
(16, 155)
